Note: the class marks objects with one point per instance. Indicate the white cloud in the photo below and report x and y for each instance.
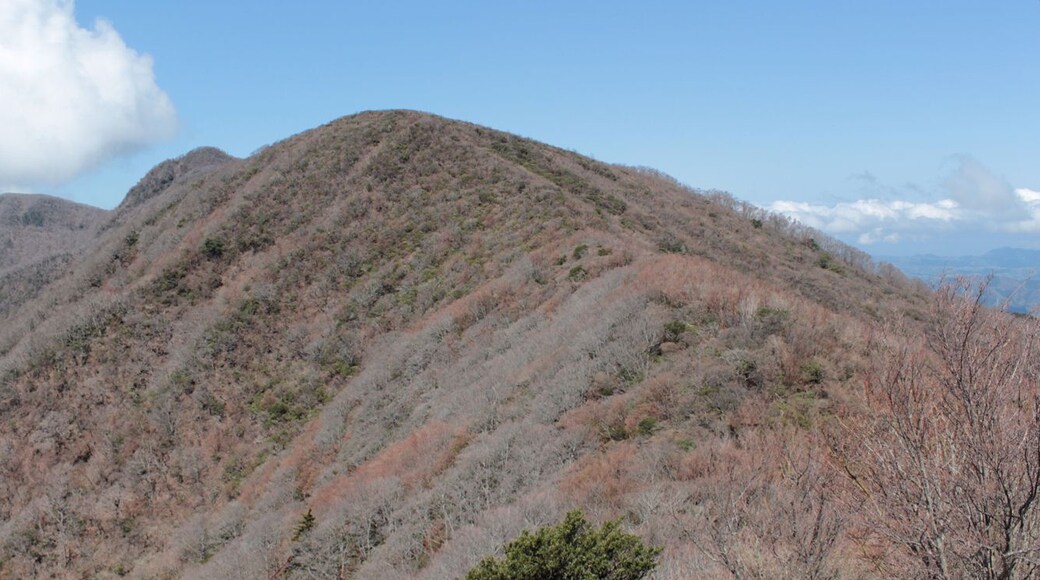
(977, 188)
(1030, 218)
(870, 215)
(1028, 196)
(71, 98)
(970, 198)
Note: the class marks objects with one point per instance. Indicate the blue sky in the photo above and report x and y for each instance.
(897, 126)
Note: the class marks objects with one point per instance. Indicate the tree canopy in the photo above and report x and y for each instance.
(571, 550)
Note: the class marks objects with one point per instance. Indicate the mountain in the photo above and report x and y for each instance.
(428, 335)
(39, 236)
(1014, 272)
(36, 227)
(195, 163)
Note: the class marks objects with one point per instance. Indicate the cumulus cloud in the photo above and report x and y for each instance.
(976, 188)
(874, 220)
(71, 97)
(1030, 219)
(969, 198)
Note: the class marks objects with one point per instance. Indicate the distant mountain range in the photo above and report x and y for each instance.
(1016, 273)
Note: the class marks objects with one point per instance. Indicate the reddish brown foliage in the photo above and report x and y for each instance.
(944, 466)
(603, 479)
(590, 324)
(413, 461)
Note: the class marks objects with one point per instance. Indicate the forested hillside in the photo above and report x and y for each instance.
(430, 335)
(39, 236)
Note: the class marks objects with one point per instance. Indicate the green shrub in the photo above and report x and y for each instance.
(827, 262)
(572, 549)
(577, 273)
(629, 376)
(812, 373)
(181, 378)
(211, 404)
(647, 426)
(671, 245)
(771, 320)
(213, 248)
(33, 217)
(674, 330)
(343, 368)
(770, 312)
(580, 251)
(747, 370)
(615, 433)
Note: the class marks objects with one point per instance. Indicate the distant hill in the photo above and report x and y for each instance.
(39, 236)
(1015, 271)
(35, 227)
(382, 347)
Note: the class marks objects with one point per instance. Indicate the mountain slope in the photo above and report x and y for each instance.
(428, 333)
(39, 236)
(36, 227)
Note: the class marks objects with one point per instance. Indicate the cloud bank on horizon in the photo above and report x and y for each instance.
(71, 98)
(970, 199)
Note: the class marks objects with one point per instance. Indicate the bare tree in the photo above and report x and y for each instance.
(767, 508)
(946, 464)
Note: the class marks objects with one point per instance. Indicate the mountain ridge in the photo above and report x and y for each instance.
(193, 163)
(428, 333)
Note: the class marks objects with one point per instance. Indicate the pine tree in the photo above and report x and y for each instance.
(304, 526)
(571, 550)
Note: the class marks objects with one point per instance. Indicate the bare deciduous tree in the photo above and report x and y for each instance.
(766, 508)
(946, 464)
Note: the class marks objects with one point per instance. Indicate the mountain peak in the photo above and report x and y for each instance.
(192, 163)
(368, 315)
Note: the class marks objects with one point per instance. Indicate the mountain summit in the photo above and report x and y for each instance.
(194, 163)
(383, 347)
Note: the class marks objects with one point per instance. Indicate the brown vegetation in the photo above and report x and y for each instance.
(39, 236)
(945, 464)
(384, 347)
